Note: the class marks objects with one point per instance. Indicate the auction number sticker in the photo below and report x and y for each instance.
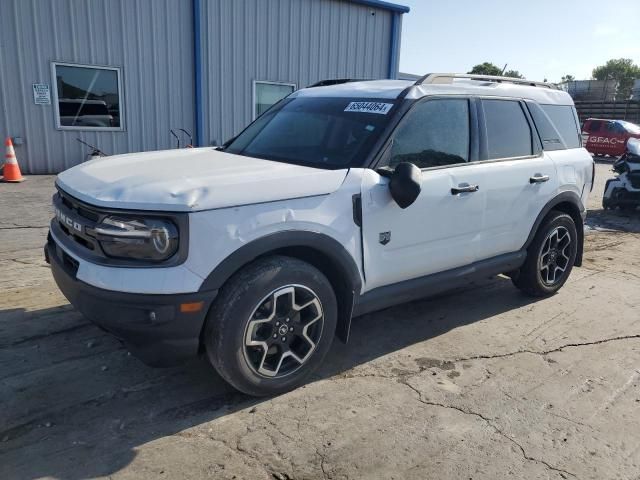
(369, 107)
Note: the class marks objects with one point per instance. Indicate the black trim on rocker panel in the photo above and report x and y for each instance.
(408, 290)
(322, 251)
(577, 213)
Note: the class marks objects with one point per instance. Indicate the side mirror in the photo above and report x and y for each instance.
(405, 184)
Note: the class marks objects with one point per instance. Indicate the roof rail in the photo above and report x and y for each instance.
(335, 81)
(447, 78)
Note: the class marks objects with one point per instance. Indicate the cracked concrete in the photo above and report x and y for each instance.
(482, 383)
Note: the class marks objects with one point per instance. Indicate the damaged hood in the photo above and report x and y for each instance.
(192, 179)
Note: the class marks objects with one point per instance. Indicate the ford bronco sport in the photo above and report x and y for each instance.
(338, 201)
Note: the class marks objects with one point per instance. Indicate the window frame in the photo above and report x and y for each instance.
(266, 82)
(56, 105)
(384, 159)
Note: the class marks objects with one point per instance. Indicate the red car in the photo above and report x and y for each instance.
(608, 137)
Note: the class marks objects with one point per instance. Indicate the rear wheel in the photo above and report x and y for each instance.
(550, 257)
(271, 325)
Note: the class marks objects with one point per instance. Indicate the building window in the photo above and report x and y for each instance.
(87, 97)
(266, 94)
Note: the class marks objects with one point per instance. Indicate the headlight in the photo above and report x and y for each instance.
(137, 238)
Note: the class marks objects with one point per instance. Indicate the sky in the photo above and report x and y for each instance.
(539, 38)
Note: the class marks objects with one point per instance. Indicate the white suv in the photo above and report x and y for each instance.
(339, 200)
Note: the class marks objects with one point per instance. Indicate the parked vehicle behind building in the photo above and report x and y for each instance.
(338, 201)
(608, 137)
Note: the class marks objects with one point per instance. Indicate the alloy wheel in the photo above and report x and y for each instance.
(283, 331)
(555, 256)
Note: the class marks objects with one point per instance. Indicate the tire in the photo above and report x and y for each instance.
(550, 247)
(239, 335)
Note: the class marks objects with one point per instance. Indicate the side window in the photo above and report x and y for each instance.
(435, 133)
(594, 126)
(613, 127)
(564, 119)
(508, 131)
(551, 138)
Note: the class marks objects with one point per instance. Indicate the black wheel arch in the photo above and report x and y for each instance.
(571, 204)
(318, 249)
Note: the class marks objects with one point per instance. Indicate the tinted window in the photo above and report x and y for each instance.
(88, 97)
(594, 126)
(551, 138)
(564, 119)
(315, 131)
(508, 132)
(614, 127)
(434, 133)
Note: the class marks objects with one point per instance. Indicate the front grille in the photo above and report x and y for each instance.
(76, 221)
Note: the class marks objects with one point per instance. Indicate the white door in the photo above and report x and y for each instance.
(438, 231)
(518, 178)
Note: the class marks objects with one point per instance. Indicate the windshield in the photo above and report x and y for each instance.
(318, 132)
(631, 127)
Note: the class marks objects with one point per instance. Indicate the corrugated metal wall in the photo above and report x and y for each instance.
(151, 40)
(292, 41)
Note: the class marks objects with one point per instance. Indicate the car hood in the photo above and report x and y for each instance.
(192, 179)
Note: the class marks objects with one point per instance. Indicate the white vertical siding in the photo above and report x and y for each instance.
(291, 41)
(150, 40)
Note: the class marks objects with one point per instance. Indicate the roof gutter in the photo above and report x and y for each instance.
(394, 7)
(197, 67)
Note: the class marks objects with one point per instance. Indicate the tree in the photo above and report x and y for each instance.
(567, 78)
(623, 70)
(486, 68)
(513, 74)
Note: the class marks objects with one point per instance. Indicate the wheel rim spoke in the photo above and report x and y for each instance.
(555, 255)
(283, 331)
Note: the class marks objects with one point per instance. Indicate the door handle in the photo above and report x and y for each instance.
(464, 188)
(538, 178)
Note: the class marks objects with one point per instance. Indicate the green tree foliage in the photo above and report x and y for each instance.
(568, 78)
(486, 68)
(621, 69)
(513, 74)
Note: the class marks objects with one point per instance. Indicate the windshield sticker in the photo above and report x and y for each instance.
(369, 107)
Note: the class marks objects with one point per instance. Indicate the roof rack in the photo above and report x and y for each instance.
(447, 78)
(335, 81)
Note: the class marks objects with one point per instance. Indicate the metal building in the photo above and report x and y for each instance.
(120, 74)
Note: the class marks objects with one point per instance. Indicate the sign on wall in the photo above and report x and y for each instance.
(41, 94)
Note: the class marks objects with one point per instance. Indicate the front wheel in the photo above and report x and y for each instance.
(550, 257)
(271, 325)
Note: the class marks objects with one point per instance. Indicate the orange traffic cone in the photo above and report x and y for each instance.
(11, 168)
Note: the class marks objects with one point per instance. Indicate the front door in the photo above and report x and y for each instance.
(438, 231)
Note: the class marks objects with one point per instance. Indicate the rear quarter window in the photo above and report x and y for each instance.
(564, 120)
(549, 135)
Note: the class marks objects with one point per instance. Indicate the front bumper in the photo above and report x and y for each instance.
(155, 328)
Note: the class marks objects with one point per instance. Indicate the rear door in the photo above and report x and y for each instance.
(518, 177)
